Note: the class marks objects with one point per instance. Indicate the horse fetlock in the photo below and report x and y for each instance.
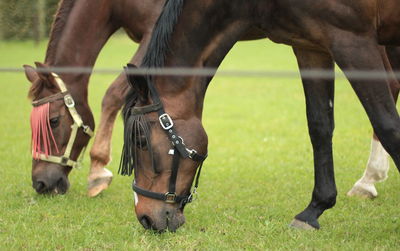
(363, 190)
(323, 201)
(377, 172)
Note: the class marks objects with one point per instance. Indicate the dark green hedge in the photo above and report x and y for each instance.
(26, 19)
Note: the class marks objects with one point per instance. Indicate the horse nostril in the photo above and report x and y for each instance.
(145, 221)
(40, 187)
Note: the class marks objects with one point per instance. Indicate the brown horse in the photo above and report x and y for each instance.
(164, 136)
(72, 45)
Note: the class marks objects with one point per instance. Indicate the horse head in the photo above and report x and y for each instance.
(165, 146)
(61, 125)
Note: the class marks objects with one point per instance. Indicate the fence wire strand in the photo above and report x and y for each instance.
(208, 72)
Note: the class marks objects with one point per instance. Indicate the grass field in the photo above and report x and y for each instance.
(259, 173)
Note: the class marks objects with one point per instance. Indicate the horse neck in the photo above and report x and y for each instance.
(197, 43)
(87, 29)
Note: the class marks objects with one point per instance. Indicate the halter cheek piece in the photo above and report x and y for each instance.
(179, 151)
(69, 102)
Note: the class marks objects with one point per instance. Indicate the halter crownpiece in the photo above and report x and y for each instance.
(69, 102)
(178, 151)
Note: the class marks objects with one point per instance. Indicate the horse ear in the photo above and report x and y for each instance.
(137, 82)
(31, 73)
(45, 75)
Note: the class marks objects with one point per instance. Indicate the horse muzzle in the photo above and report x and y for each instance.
(52, 180)
(166, 219)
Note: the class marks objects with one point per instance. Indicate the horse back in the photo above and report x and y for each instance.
(389, 22)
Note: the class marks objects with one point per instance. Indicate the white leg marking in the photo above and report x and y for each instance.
(378, 164)
(376, 171)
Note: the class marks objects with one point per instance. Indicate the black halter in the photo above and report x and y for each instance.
(179, 150)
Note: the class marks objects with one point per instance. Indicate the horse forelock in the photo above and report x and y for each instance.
(36, 88)
(136, 127)
(59, 22)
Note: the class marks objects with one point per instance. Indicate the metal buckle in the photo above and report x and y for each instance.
(191, 152)
(166, 121)
(69, 101)
(170, 197)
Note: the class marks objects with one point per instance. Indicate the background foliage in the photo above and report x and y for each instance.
(26, 19)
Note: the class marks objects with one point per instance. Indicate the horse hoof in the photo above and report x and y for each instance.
(301, 225)
(97, 182)
(361, 190)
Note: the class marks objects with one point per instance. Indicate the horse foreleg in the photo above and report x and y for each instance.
(319, 95)
(378, 164)
(100, 177)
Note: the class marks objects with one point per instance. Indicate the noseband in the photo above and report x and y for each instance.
(178, 151)
(69, 102)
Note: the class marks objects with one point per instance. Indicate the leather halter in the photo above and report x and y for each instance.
(179, 151)
(69, 102)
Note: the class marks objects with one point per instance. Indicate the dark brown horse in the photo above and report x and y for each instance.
(70, 45)
(80, 30)
(165, 141)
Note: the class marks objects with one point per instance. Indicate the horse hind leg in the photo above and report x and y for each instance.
(374, 94)
(319, 95)
(376, 171)
(100, 177)
(378, 164)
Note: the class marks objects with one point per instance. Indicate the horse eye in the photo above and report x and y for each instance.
(54, 122)
(141, 143)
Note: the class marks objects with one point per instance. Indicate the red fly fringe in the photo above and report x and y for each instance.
(41, 131)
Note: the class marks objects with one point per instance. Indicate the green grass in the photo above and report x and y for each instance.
(259, 173)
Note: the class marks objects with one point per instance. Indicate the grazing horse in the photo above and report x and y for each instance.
(164, 140)
(80, 30)
(70, 45)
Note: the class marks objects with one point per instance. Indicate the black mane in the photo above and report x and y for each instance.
(159, 44)
(135, 126)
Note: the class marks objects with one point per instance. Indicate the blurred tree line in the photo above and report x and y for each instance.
(26, 19)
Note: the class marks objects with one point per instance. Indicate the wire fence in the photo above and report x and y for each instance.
(208, 72)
